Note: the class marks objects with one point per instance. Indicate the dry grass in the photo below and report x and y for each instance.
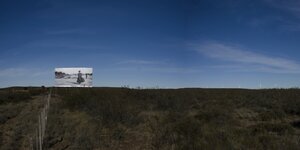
(120, 118)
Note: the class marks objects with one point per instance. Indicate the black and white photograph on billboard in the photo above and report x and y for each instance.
(73, 77)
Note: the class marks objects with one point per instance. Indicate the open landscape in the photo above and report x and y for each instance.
(150, 75)
(122, 118)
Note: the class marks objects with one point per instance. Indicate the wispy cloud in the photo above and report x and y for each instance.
(292, 6)
(22, 72)
(291, 26)
(264, 20)
(153, 66)
(69, 31)
(246, 58)
(177, 70)
(141, 62)
(63, 43)
(290, 13)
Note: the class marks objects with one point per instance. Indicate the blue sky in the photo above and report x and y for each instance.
(165, 43)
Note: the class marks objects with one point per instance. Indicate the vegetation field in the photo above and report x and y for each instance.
(121, 118)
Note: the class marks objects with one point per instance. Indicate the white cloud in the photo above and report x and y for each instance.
(177, 70)
(292, 6)
(22, 72)
(247, 59)
(154, 67)
(140, 62)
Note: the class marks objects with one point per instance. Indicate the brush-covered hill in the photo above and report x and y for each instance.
(120, 118)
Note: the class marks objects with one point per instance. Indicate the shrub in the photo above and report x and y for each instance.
(13, 97)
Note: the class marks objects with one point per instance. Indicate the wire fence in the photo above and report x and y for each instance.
(37, 140)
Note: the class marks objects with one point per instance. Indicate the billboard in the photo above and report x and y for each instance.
(73, 77)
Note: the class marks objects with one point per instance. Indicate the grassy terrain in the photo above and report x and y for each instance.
(119, 118)
(18, 116)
